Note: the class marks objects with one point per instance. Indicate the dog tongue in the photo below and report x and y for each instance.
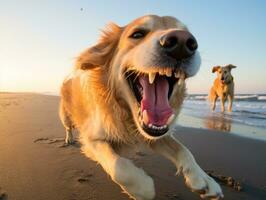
(155, 100)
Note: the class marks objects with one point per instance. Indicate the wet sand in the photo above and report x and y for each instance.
(35, 165)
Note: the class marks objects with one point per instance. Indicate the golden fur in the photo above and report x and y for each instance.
(223, 87)
(96, 99)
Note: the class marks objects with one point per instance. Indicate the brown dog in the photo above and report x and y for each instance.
(127, 91)
(223, 87)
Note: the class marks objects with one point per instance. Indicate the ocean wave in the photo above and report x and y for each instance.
(238, 97)
(201, 97)
(258, 114)
(197, 97)
(246, 97)
(262, 98)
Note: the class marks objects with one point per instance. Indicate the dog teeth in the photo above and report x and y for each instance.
(145, 117)
(161, 72)
(181, 78)
(151, 77)
(157, 127)
(168, 72)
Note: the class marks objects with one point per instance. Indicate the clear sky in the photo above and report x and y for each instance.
(40, 39)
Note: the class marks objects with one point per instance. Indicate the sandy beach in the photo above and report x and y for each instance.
(35, 164)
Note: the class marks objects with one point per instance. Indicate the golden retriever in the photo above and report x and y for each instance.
(223, 87)
(127, 90)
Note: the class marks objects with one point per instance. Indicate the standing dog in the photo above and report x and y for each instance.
(127, 90)
(223, 87)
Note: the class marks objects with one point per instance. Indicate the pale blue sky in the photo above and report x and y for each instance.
(40, 39)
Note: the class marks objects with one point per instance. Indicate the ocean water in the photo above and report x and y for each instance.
(249, 110)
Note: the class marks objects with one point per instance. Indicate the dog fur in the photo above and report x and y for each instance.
(96, 100)
(223, 87)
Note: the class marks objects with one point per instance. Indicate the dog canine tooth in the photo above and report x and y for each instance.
(150, 125)
(170, 119)
(151, 77)
(145, 117)
(168, 72)
(181, 78)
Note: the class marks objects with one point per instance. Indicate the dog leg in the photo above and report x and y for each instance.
(213, 102)
(195, 177)
(133, 180)
(230, 102)
(67, 123)
(213, 98)
(222, 104)
(69, 136)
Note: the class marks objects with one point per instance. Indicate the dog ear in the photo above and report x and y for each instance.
(99, 54)
(215, 68)
(230, 66)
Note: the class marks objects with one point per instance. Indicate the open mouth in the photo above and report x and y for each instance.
(152, 92)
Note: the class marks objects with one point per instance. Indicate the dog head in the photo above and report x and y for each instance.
(146, 63)
(224, 73)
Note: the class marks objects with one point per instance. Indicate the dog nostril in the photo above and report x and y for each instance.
(192, 44)
(169, 43)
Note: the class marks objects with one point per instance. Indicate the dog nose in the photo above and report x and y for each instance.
(178, 44)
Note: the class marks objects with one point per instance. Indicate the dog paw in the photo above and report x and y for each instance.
(69, 141)
(134, 181)
(199, 181)
(142, 188)
(145, 191)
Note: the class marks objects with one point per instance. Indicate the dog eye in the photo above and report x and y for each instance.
(138, 34)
